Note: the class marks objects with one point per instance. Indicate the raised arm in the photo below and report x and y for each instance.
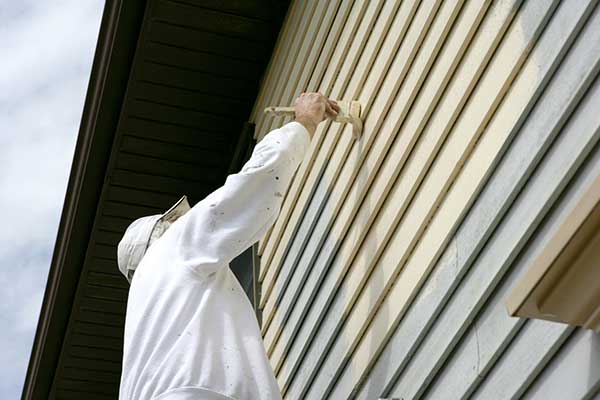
(229, 220)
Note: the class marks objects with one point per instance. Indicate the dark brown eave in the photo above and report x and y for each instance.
(142, 44)
(119, 31)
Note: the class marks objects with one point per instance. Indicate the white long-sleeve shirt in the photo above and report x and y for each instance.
(190, 330)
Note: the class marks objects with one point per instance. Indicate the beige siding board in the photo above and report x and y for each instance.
(397, 53)
(373, 85)
(407, 10)
(425, 103)
(497, 351)
(282, 38)
(301, 65)
(358, 72)
(502, 353)
(540, 129)
(386, 271)
(293, 210)
(432, 216)
(489, 336)
(320, 151)
(263, 241)
(494, 329)
(468, 72)
(295, 54)
(291, 196)
(346, 53)
(316, 78)
(382, 140)
(556, 170)
(309, 54)
(289, 30)
(307, 25)
(550, 113)
(313, 42)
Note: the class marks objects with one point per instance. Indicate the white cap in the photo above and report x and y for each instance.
(142, 232)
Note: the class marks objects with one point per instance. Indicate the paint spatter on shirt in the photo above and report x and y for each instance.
(212, 225)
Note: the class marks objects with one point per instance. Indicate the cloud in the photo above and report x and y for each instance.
(48, 49)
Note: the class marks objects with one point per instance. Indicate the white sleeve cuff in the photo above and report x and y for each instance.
(300, 137)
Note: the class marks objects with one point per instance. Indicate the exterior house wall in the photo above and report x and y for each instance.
(388, 268)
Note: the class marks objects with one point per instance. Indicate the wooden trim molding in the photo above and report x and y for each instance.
(561, 285)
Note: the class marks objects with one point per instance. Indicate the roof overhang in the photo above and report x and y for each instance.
(113, 162)
(117, 40)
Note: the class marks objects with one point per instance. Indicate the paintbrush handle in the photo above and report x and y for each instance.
(284, 111)
(280, 111)
(350, 112)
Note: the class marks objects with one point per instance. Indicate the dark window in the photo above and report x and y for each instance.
(245, 266)
(241, 267)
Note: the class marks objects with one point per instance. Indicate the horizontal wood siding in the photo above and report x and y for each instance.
(388, 268)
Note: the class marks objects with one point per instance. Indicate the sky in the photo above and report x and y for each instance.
(46, 52)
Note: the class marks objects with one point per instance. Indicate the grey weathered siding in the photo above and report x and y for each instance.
(387, 270)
